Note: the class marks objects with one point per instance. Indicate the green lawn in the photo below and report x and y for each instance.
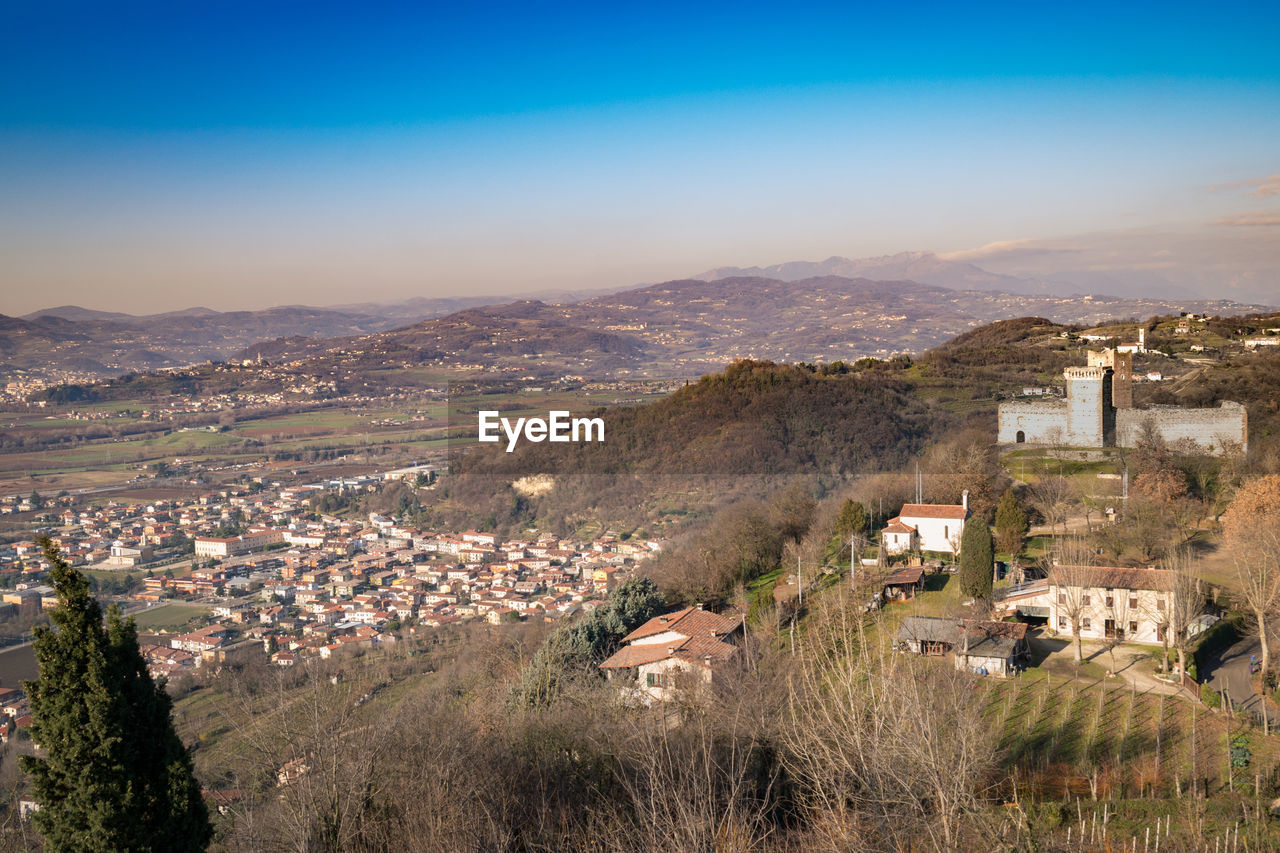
(168, 616)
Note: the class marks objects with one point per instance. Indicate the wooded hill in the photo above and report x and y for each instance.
(756, 421)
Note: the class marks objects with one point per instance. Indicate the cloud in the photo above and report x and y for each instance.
(1258, 187)
(1251, 217)
(1003, 249)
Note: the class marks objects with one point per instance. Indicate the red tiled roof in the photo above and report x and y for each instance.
(1111, 577)
(895, 525)
(689, 622)
(698, 637)
(934, 511)
(637, 655)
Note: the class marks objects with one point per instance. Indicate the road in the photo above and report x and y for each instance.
(1229, 671)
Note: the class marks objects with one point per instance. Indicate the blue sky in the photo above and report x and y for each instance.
(161, 155)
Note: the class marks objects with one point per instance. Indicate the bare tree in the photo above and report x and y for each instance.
(886, 742)
(1184, 603)
(1251, 527)
(1051, 496)
(1069, 586)
(1257, 574)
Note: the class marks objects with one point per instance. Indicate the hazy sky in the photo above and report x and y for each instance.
(155, 156)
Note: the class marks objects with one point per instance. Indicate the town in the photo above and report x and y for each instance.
(297, 583)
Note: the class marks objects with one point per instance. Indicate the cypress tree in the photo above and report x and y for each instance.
(1012, 524)
(977, 558)
(114, 775)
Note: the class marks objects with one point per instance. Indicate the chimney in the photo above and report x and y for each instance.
(964, 499)
(698, 605)
(671, 650)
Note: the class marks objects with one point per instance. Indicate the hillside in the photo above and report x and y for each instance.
(679, 328)
(755, 422)
(687, 328)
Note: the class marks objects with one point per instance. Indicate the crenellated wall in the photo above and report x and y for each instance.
(1214, 431)
(1092, 416)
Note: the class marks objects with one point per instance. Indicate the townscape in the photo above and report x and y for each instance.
(690, 428)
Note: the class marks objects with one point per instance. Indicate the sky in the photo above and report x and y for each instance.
(157, 156)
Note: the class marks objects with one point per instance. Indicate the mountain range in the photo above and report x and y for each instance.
(690, 327)
(837, 309)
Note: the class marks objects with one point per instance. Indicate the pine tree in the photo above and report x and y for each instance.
(114, 775)
(977, 556)
(1012, 524)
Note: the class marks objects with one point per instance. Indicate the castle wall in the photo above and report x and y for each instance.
(1213, 430)
(1039, 421)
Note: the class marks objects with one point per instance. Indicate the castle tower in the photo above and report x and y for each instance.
(1121, 364)
(1091, 417)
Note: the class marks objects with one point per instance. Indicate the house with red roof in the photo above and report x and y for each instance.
(674, 650)
(927, 527)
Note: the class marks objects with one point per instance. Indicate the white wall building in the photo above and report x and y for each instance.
(927, 527)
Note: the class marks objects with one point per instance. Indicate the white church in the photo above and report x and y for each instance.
(927, 527)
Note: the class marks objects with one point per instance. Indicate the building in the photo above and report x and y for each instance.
(672, 651)
(1113, 603)
(1098, 412)
(210, 546)
(125, 555)
(1129, 604)
(986, 648)
(927, 527)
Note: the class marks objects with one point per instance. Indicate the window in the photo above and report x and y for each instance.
(1062, 598)
(1062, 623)
(655, 679)
(1084, 599)
(1110, 601)
(1133, 602)
(1159, 604)
(1133, 628)
(1160, 633)
(1084, 623)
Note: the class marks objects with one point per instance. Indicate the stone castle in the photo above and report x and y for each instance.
(1098, 412)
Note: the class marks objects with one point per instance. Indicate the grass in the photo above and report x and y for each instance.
(196, 439)
(1062, 729)
(168, 616)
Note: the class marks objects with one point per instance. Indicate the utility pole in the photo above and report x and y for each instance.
(853, 564)
(799, 580)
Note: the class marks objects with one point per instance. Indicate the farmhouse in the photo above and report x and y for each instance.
(675, 650)
(988, 648)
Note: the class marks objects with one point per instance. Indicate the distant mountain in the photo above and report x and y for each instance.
(924, 267)
(677, 328)
(77, 343)
(689, 327)
(424, 307)
(74, 343)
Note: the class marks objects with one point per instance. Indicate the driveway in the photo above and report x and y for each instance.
(1229, 671)
(1132, 665)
